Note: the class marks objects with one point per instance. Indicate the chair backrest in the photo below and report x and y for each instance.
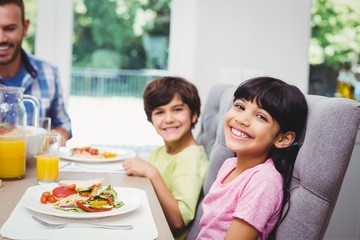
(320, 167)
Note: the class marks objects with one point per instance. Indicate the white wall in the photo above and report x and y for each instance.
(227, 41)
(53, 41)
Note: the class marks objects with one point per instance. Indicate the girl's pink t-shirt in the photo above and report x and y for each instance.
(254, 196)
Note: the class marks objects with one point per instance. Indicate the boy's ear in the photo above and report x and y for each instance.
(284, 140)
(194, 118)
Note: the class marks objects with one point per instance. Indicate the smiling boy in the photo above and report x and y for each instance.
(177, 169)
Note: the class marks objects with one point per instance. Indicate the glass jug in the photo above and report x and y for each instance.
(13, 122)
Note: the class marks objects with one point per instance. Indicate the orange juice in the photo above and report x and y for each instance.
(47, 168)
(12, 158)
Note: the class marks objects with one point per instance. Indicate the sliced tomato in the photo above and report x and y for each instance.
(109, 198)
(51, 199)
(72, 187)
(86, 149)
(94, 151)
(3, 131)
(44, 199)
(63, 191)
(46, 194)
(85, 208)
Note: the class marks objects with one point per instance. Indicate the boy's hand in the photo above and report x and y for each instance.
(138, 166)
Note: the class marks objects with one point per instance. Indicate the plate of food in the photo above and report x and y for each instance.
(96, 154)
(80, 199)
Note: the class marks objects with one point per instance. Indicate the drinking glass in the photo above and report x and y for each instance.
(45, 122)
(48, 160)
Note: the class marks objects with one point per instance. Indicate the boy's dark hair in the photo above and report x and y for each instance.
(288, 106)
(19, 3)
(162, 90)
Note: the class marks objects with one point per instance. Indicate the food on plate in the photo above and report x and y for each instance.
(82, 196)
(5, 127)
(87, 188)
(90, 152)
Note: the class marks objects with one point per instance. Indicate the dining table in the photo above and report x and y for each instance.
(12, 191)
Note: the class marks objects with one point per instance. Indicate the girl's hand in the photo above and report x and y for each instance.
(138, 166)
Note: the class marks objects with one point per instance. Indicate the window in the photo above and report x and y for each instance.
(335, 40)
(118, 46)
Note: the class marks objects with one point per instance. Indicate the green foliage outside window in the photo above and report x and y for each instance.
(335, 32)
(335, 39)
(115, 33)
(112, 33)
(30, 13)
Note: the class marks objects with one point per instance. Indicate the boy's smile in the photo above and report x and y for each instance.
(170, 129)
(173, 122)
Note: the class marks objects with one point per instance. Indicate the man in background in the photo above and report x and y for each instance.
(19, 69)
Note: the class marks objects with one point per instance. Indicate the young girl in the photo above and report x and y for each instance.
(177, 169)
(262, 127)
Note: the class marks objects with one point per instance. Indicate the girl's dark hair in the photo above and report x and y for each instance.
(162, 90)
(288, 106)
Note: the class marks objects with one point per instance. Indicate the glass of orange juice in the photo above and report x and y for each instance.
(48, 160)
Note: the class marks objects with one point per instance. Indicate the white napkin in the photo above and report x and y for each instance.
(69, 166)
(21, 226)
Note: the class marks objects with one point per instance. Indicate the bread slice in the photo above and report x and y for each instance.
(84, 185)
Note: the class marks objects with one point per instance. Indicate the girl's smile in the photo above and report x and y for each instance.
(250, 131)
(239, 133)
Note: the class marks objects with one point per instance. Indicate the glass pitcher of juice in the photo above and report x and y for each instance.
(13, 132)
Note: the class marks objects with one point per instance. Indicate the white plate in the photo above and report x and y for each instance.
(31, 200)
(65, 153)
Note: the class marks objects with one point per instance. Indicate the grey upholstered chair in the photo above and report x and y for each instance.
(327, 144)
